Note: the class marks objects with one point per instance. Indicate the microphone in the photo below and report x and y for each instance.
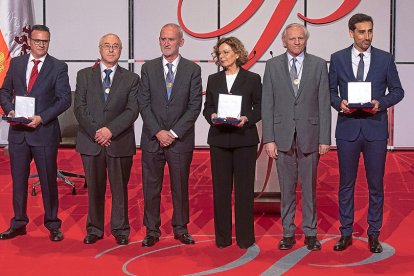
(97, 62)
(271, 53)
(254, 54)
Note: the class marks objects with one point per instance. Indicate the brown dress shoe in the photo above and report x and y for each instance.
(185, 238)
(343, 243)
(287, 243)
(312, 243)
(12, 232)
(374, 245)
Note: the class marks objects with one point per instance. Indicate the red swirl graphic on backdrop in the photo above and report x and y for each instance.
(270, 32)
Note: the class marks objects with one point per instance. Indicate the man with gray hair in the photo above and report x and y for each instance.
(106, 109)
(296, 117)
(170, 102)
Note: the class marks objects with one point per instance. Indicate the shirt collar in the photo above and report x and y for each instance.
(299, 58)
(174, 63)
(103, 67)
(355, 52)
(42, 59)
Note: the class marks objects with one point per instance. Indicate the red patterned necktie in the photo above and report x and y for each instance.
(33, 75)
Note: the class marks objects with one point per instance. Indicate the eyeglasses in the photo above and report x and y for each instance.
(107, 47)
(38, 42)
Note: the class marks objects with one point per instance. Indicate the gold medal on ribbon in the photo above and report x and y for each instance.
(169, 84)
(296, 81)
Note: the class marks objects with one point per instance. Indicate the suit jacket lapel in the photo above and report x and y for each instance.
(372, 64)
(285, 68)
(179, 76)
(348, 63)
(307, 65)
(159, 72)
(117, 80)
(97, 78)
(21, 74)
(238, 82)
(44, 72)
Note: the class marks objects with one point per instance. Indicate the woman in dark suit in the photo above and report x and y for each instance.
(233, 148)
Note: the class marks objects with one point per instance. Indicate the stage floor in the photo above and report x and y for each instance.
(34, 254)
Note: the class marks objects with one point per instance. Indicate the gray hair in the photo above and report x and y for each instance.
(292, 25)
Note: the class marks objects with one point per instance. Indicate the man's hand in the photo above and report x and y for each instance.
(374, 109)
(271, 150)
(165, 138)
(345, 109)
(36, 121)
(324, 149)
(103, 136)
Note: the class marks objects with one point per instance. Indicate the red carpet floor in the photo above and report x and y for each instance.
(34, 254)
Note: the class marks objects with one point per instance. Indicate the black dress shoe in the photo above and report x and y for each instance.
(122, 240)
(56, 235)
(221, 246)
(287, 243)
(374, 244)
(312, 243)
(12, 232)
(185, 238)
(343, 243)
(91, 238)
(244, 246)
(149, 241)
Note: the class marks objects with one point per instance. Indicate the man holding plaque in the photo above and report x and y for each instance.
(296, 118)
(37, 87)
(106, 109)
(362, 71)
(169, 102)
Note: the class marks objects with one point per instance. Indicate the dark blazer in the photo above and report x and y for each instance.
(52, 97)
(248, 85)
(118, 113)
(308, 114)
(382, 74)
(178, 113)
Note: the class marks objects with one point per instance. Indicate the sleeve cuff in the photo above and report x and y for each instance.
(173, 133)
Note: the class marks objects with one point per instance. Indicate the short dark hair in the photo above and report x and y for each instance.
(358, 18)
(42, 28)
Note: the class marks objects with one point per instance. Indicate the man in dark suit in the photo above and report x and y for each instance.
(106, 109)
(170, 102)
(364, 130)
(44, 78)
(296, 118)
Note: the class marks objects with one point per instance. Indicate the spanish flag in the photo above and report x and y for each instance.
(16, 19)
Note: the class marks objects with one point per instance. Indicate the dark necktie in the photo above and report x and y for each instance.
(294, 77)
(360, 71)
(33, 75)
(107, 83)
(169, 80)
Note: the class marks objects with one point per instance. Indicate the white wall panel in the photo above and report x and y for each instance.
(150, 16)
(328, 38)
(403, 34)
(77, 25)
(403, 124)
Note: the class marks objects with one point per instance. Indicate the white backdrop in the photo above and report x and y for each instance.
(77, 25)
